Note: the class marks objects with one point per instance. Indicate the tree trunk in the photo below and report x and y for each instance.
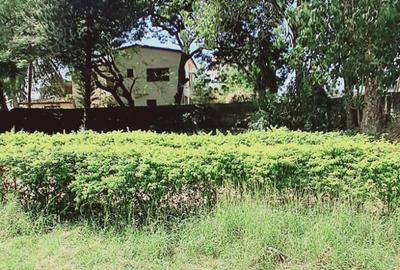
(349, 114)
(118, 99)
(3, 101)
(372, 121)
(30, 82)
(128, 97)
(87, 71)
(88, 89)
(266, 78)
(348, 100)
(182, 80)
(125, 92)
(299, 83)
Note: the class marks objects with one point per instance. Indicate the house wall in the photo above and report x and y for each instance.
(188, 92)
(140, 59)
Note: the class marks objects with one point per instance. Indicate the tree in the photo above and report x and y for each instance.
(21, 42)
(179, 19)
(83, 31)
(108, 77)
(357, 41)
(24, 53)
(249, 34)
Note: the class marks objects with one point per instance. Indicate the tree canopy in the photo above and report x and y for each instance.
(291, 50)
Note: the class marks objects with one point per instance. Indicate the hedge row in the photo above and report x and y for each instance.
(88, 173)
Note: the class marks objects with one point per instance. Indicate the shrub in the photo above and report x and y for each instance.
(129, 175)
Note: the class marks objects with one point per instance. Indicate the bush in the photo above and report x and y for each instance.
(129, 175)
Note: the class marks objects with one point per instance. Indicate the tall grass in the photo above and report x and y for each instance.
(250, 233)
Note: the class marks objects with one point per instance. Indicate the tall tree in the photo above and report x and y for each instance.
(82, 31)
(178, 18)
(357, 41)
(21, 42)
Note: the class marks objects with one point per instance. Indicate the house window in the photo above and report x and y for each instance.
(157, 74)
(130, 73)
(151, 102)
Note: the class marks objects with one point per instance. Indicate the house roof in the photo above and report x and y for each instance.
(151, 47)
(156, 48)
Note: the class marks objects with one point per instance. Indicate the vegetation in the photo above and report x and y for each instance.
(311, 45)
(18, 52)
(249, 40)
(295, 51)
(258, 200)
(82, 32)
(124, 177)
(275, 199)
(247, 234)
(176, 20)
(355, 41)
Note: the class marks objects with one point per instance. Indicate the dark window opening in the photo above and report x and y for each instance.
(151, 102)
(157, 74)
(130, 73)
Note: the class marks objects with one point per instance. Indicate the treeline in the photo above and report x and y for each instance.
(308, 48)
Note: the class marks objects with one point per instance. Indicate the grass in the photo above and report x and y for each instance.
(252, 233)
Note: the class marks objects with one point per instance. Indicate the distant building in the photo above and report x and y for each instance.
(58, 103)
(156, 73)
(65, 102)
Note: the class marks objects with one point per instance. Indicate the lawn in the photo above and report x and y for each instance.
(240, 234)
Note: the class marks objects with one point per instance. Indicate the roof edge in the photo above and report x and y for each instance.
(156, 48)
(151, 47)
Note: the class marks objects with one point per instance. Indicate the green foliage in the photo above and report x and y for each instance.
(82, 33)
(21, 42)
(311, 114)
(225, 85)
(178, 19)
(77, 28)
(129, 175)
(13, 221)
(205, 91)
(249, 34)
(356, 41)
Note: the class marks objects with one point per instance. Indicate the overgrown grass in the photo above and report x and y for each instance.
(251, 233)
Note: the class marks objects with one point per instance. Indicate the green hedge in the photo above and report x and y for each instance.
(91, 174)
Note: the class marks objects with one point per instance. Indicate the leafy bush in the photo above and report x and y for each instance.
(129, 175)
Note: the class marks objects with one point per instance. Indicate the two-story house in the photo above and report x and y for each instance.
(155, 72)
